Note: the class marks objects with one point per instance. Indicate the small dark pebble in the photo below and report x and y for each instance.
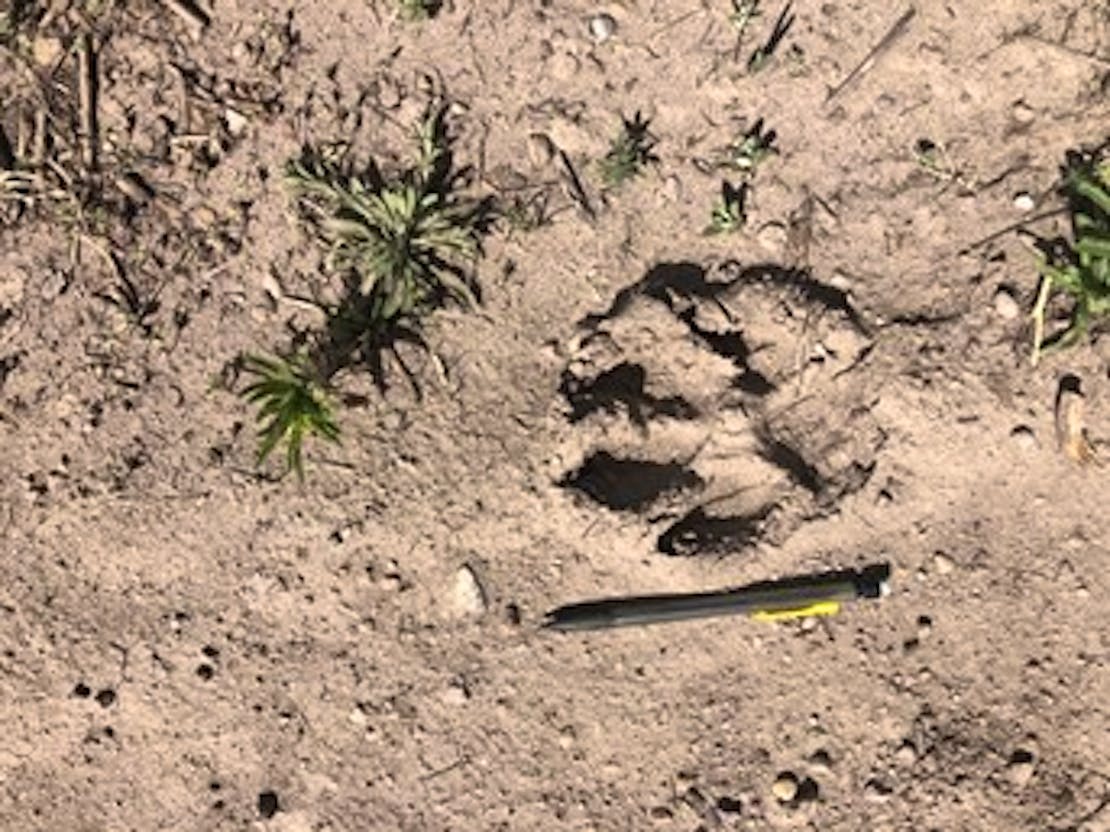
(205, 672)
(81, 690)
(729, 805)
(210, 651)
(106, 697)
(808, 790)
(268, 804)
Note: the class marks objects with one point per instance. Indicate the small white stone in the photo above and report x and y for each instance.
(905, 755)
(467, 596)
(1022, 113)
(1005, 305)
(671, 188)
(563, 66)
(772, 238)
(358, 716)
(455, 695)
(1024, 437)
(924, 627)
(237, 123)
(942, 563)
(1021, 773)
(390, 583)
(541, 150)
(602, 27)
(785, 787)
(45, 50)
(1024, 201)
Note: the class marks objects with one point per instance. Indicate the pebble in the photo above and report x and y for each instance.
(924, 627)
(45, 51)
(877, 791)
(1022, 113)
(602, 27)
(785, 787)
(467, 596)
(942, 563)
(1024, 201)
(1020, 773)
(390, 94)
(455, 695)
(906, 755)
(541, 150)
(563, 66)
(1006, 305)
(671, 189)
(357, 716)
(1024, 437)
(772, 238)
(237, 123)
(821, 761)
(1021, 768)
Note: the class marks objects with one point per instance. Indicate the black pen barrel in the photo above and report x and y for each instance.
(620, 612)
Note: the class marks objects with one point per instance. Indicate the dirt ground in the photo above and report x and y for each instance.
(191, 642)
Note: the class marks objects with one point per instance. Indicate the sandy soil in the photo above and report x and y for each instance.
(190, 643)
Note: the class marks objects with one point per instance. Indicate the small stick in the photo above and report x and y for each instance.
(1063, 47)
(86, 90)
(42, 138)
(1014, 226)
(1038, 318)
(7, 154)
(25, 129)
(864, 66)
(575, 186)
(191, 14)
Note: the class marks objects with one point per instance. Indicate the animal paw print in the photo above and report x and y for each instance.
(720, 405)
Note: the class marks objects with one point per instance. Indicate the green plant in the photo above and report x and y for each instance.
(526, 212)
(291, 405)
(741, 17)
(402, 244)
(746, 153)
(418, 9)
(408, 240)
(762, 55)
(728, 215)
(1080, 270)
(628, 153)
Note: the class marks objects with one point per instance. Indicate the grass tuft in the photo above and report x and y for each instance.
(291, 406)
(408, 241)
(416, 10)
(403, 245)
(1079, 269)
(729, 214)
(629, 152)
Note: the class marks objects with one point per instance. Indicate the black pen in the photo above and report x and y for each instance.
(768, 600)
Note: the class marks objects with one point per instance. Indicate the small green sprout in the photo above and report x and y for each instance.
(291, 405)
(527, 212)
(1080, 270)
(728, 214)
(746, 154)
(743, 13)
(629, 152)
(762, 55)
(415, 10)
